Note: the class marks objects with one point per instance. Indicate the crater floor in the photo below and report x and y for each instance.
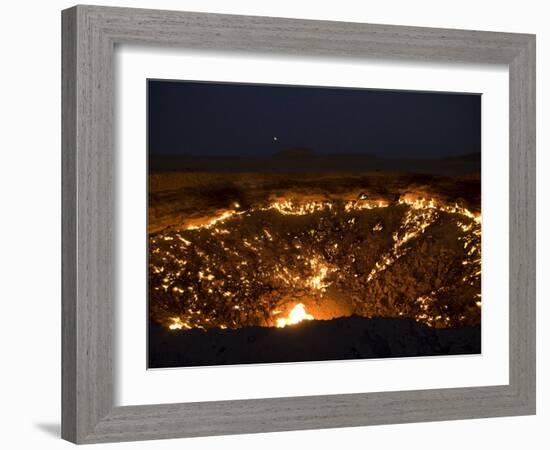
(407, 253)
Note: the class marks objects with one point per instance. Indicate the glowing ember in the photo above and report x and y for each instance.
(296, 315)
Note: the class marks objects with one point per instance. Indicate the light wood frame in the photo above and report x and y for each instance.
(89, 37)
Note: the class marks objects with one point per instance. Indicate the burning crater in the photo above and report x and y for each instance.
(279, 263)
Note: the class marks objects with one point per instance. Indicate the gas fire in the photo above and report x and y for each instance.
(296, 315)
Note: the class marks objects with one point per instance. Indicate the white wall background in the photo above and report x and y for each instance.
(31, 208)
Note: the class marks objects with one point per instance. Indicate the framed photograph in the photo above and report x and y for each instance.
(277, 224)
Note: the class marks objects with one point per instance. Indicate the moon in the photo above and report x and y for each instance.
(275, 138)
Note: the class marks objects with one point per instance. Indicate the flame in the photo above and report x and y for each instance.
(365, 204)
(178, 324)
(422, 203)
(318, 280)
(287, 207)
(416, 220)
(296, 315)
(213, 221)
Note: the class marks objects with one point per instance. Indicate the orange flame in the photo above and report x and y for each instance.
(296, 315)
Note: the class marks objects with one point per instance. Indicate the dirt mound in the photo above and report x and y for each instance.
(337, 339)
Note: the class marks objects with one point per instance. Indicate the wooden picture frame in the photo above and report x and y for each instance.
(89, 37)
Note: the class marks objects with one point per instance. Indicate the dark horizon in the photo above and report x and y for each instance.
(210, 119)
(283, 155)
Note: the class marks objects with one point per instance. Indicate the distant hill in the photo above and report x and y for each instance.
(466, 157)
(295, 160)
(297, 152)
(305, 152)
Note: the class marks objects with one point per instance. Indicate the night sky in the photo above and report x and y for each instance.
(217, 119)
